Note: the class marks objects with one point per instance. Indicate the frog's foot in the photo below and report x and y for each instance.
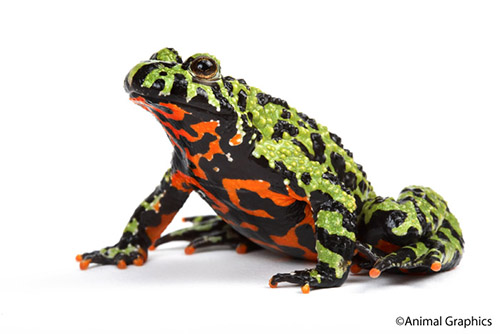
(119, 255)
(320, 277)
(365, 257)
(208, 231)
(421, 257)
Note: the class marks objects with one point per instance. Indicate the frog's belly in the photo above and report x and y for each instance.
(272, 220)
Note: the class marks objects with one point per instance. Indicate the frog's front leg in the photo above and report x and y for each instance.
(147, 223)
(335, 225)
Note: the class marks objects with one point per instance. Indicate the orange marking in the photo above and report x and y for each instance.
(374, 273)
(406, 271)
(436, 266)
(355, 269)
(179, 180)
(249, 226)
(259, 187)
(154, 232)
(85, 264)
(156, 207)
(121, 264)
(79, 257)
(275, 285)
(236, 140)
(305, 288)
(386, 246)
(189, 250)
(241, 248)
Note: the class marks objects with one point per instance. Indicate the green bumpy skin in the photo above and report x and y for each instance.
(276, 179)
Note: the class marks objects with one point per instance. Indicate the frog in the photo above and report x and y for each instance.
(276, 179)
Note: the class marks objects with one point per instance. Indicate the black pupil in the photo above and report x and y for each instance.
(204, 66)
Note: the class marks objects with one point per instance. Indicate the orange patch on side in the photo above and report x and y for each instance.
(386, 246)
(249, 226)
(259, 187)
(180, 180)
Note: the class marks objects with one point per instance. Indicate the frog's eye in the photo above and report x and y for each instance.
(204, 68)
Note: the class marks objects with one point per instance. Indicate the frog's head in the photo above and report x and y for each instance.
(195, 85)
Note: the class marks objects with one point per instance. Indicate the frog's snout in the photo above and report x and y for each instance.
(134, 81)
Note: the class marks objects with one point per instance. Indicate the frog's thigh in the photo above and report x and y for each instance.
(416, 231)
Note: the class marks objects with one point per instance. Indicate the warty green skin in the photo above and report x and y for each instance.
(427, 233)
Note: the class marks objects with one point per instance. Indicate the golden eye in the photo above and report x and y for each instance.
(204, 67)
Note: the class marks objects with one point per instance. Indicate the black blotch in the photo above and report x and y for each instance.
(336, 139)
(338, 163)
(281, 127)
(362, 186)
(179, 87)
(308, 120)
(224, 103)
(318, 147)
(242, 100)
(158, 85)
(330, 177)
(306, 178)
(305, 236)
(228, 85)
(264, 99)
(350, 180)
(285, 114)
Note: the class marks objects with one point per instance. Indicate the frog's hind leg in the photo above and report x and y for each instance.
(208, 231)
(417, 233)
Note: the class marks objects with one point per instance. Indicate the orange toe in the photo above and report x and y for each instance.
(189, 250)
(272, 285)
(138, 261)
(121, 264)
(355, 269)
(374, 273)
(152, 248)
(241, 248)
(79, 257)
(436, 266)
(84, 264)
(305, 288)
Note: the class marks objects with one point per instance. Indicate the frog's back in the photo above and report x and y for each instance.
(306, 148)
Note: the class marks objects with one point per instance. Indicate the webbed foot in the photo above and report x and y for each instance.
(320, 277)
(119, 255)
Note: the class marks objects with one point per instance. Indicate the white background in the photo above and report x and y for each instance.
(412, 87)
